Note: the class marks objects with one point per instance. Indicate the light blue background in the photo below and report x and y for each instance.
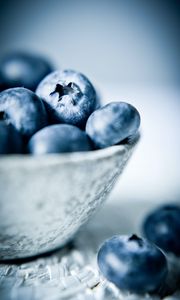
(123, 41)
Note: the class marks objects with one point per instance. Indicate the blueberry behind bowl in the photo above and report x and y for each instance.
(23, 69)
(162, 227)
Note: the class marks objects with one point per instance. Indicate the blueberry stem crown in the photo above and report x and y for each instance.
(2, 115)
(71, 89)
(137, 239)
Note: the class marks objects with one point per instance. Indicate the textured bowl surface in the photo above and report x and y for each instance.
(44, 200)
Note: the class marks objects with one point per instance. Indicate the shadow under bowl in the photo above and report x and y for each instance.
(45, 199)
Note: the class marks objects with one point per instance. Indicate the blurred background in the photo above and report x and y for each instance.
(130, 50)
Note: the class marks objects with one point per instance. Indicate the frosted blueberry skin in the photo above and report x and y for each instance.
(132, 264)
(10, 140)
(112, 124)
(24, 110)
(23, 70)
(162, 227)
(60, 138)
(70, 96)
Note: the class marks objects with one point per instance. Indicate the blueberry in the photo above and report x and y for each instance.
(23, 109)
(112, 124)
(133, 264)
(10, 139)
(23, 69)
(71, 96)
(162, 227)
(59, 138)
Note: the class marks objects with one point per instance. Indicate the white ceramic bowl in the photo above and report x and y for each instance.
(45, 199)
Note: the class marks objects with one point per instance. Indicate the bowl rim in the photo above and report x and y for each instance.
(72, 157)
(47, 159)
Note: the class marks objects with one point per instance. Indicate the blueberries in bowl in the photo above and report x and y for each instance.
(59, 138)
(162, 227)
(133, 264)
(24, 110)
(70, 95)
(112, 124)
(10, 139)
(64, 97)
(23, 70)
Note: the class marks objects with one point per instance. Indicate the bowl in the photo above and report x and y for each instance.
(44, 200)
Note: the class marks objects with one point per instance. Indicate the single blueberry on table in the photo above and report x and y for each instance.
(162, 227)
(112, 124)
(20, 69)
(70, 95)
(24, 110)
(133, 264)
(60, 138)
(10, 139)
